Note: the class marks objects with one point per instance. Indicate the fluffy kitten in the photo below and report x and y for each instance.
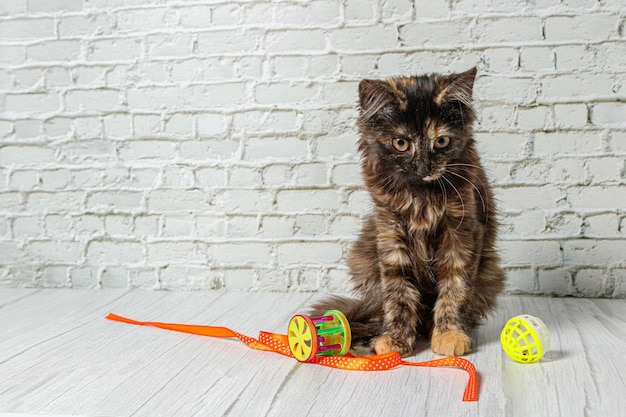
(424, 266)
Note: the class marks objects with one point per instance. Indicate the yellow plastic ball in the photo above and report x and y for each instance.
(525, 338)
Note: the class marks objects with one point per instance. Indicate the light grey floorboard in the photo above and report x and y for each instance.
(59, 356)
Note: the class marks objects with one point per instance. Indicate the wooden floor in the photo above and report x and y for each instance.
(59, 356)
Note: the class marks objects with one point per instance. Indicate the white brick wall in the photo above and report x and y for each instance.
(190, 145)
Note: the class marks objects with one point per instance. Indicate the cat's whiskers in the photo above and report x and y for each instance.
(475, 188)
(461, 198)
(482, 199)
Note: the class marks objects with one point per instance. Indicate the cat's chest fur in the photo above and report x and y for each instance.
(408, 234)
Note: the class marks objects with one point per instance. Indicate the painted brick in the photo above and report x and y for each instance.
(567, 143)
(521, 280)
(278, 175)
(32, 103)
(114, 201)
(531, 222)
(535, 118)
(309, 252)
(152, 143)
(284, 93)
(307, 200)
(27, 29)
(55, 202)
(63, 50)
(276, 148)
(114, 49)
(240, 253)
(497, 118)
(597, 197)
(177, 200)
(114, 252)
(537, 59)
(281, 42)
(609, 113)
(218, 149)
(359, 11)
(117, 126)
(310, 224)
(433, 33)
(277, 226)
(319, 13)
(177, 177)
(86, 25)
(174, 277)
(244, 201)
(590, 282)
(607, 169)
(57, 179)
(239, 279)
(607, 224)
(555, 281)
(576, 86)
(210, 177)
(376, 37)
(339, 146)
(498, 145)
(315, 174)
(47, 6)
(243, 226)
(599, 253)
(529, 197)
(507, 29)
(595, 27)
(226, 41)
(619, 278)
(177, 253)
(573, 57)
(501, 60)
(347, 174)
(571, 116)
(83, 100)
(265, 121)
(243, 177)
(618, 141)
(26, 155)
(531, 253)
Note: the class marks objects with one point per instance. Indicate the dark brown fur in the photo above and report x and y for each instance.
(424, 265)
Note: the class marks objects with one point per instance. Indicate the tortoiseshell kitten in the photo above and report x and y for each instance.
(424, 266)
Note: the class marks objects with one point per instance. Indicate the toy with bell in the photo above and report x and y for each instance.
(525, 338)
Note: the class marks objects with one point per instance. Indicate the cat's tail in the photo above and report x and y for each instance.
(364, 316)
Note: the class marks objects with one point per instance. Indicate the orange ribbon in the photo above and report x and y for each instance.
(273, 342)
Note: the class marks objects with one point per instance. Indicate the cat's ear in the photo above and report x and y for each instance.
(376, 96)
(457, 87)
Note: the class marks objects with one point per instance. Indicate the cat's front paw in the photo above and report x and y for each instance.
(451, 343)
(386, 344)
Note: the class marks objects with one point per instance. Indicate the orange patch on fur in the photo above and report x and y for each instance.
(451, 343)
(385, 344)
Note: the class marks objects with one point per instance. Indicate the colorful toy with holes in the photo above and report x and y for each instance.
(525, 338)
(310, 337)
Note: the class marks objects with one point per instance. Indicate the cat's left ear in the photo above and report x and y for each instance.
(377, 97)
(457, 87)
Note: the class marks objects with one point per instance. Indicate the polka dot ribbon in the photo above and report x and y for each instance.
(273, 342)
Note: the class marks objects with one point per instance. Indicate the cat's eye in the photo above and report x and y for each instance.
(400, 145)
(442, 142)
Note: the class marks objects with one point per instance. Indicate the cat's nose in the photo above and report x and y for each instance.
(422, 170)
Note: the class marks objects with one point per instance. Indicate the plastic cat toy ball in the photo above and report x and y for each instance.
(525, 338)
(310, 337)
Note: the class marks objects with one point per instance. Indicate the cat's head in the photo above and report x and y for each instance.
(414, 128)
